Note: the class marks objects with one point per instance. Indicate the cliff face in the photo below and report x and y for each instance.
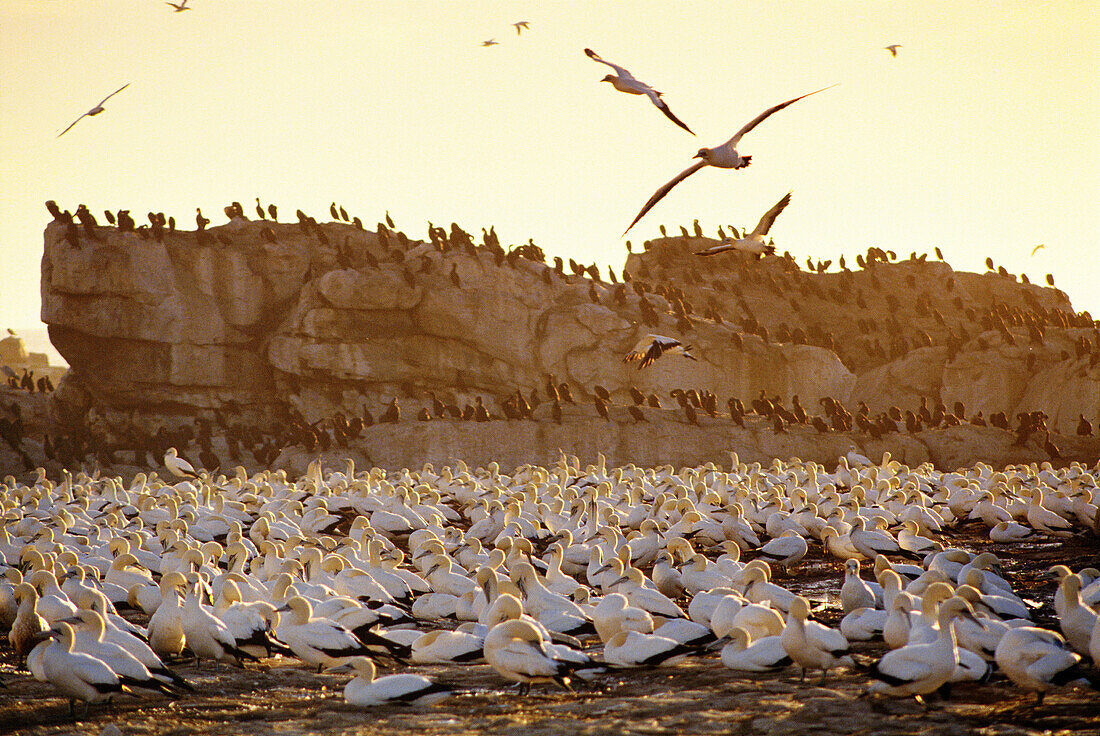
(155, 329)
(253, 318)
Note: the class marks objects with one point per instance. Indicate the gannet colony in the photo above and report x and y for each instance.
(562, 577)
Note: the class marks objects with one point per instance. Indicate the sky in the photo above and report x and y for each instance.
(980, 137)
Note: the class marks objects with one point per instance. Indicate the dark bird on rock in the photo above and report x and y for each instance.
(601, 408)
(565, 394)
(260, 210)
(555, 411)
(392, 415)
(1084, 426)
(637, 414)
(637, 396)
(601, 392)
(653, 402)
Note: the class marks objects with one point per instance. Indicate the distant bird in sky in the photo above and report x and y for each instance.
(490, 42)
(893, 48)
(651, 347)
(182, 6)
(752, 242)
(626, 82)
(724, 156)
(1036, 248)
(95, 110)
(521, 26)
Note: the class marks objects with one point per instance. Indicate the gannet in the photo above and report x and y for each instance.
(724, 156)
(626, 82)
(180, 7)
(77, 675)
(1037, 659)
(177, 466)
(752, 242)
(651, 347)
(811, 644)
(855, 592)
(517, 651)
(918, 669)
(746, 655)
(635, 649)
(401, 689)
(521, 25)
(95, 110)
(892, 48)
(490, 42)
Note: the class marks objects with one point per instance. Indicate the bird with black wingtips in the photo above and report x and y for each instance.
(752, 242)
(179, 7)
(94, 111)
(724, 156)
(651, 347)
(892, 48)
(624, 81)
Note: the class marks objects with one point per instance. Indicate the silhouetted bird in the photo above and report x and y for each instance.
(392, 415)
(555, 411)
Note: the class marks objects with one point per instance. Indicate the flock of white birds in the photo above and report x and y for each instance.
(549, 574)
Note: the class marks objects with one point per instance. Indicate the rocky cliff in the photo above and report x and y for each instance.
(257, 318)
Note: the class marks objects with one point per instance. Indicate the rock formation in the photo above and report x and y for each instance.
(262, 320)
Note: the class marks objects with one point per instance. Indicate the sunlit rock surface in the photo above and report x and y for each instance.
(337, 319)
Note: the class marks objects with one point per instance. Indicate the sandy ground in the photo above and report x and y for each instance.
(699, 696)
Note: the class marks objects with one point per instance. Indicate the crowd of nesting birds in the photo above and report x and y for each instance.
(557, 574)
(228, 439)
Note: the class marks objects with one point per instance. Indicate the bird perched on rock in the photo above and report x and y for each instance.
(392, 415)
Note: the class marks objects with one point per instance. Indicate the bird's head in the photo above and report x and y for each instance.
(608, 78)
(704, 153)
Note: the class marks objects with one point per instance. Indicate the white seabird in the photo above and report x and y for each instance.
(628, 83)
(724, 156)
(177, 466)
(752, 242)
(517, 651)
(651, 347)
(95, 110)
(401, 689)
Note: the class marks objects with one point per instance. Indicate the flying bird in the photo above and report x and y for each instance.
(521, 26)
(752, 242)
(724, 156)
(651, 347)
(490, 42)
(893, 48)
(1036, 248)
(625, 82)
(95, 110)
(181, 7)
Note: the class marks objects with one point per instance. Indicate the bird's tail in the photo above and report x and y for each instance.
(769, 250)
(745, 161)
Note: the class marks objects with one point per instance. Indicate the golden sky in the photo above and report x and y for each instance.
(980, 137)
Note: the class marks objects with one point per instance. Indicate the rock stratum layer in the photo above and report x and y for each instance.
(256, 318)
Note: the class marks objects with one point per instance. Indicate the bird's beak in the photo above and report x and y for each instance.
(282, 609)
(620, 580)
(698, 155)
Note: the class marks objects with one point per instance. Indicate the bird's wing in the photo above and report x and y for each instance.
(766, 221)
(71, 125)
(623, 73)
(660, 193)
(1036, 248)
(715, 249)
(905, 665)
(655, 98)
(732, 142)
(8, 371)
(113, 94)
